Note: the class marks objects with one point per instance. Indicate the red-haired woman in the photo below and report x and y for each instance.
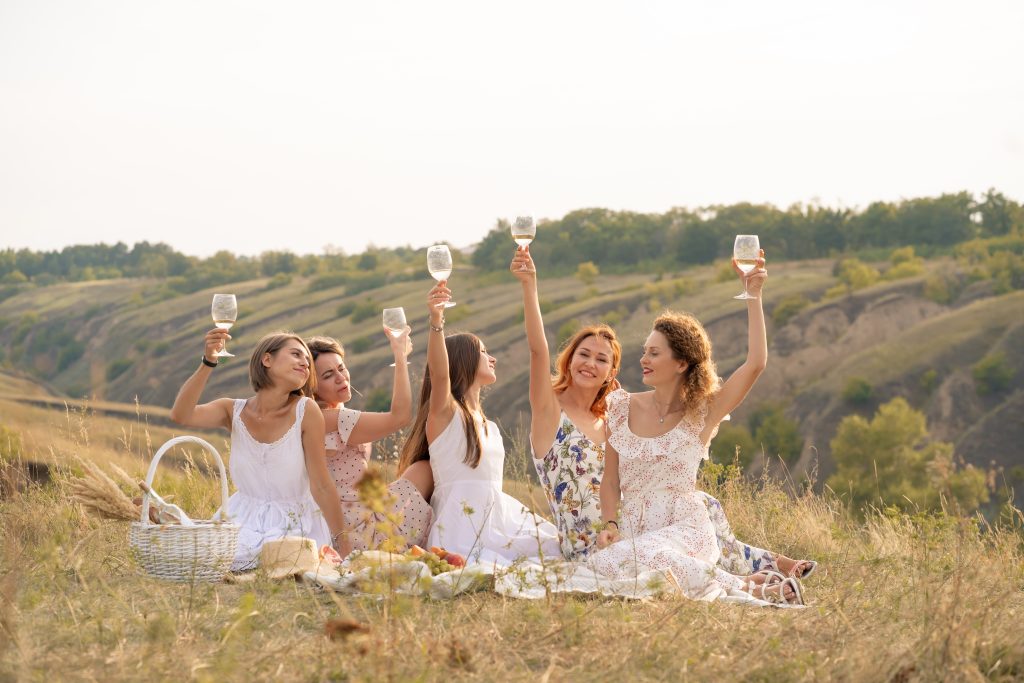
(472, 516)
(567, 416)
(657, 442)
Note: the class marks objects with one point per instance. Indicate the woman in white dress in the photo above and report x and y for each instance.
(472, 516)
(656, 444)
(277, 457)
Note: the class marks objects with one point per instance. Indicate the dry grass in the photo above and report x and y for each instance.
(901, 598)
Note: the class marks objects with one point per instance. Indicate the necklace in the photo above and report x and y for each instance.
(657, 408)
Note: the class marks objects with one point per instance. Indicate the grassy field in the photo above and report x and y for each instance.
(900, 598)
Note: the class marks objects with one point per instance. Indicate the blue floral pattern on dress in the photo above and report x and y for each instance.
(570, 473)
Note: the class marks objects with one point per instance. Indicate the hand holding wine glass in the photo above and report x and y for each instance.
(524, 229)
(225, 311)
(753, 280)
(439, 263)
(745, 254)
(214, 341)
(522, 265)
(398, 332)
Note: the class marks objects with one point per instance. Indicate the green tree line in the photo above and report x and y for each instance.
(613, 239)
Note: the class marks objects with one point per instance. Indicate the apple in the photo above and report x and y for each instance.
(455, 560)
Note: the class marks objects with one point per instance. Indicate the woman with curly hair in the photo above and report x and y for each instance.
(657, 441)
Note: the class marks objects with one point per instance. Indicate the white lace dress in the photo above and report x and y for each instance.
(273, 498)
(472, 516)
(664, 522)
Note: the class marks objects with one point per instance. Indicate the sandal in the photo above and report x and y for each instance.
(777, 598)
(809, 567)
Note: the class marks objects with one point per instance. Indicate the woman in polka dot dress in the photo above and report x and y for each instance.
(656, 444)
(349, 447)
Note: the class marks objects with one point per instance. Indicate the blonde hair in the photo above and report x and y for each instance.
(689, 342)
(259, 377)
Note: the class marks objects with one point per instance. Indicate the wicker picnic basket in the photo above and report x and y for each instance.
(185, 553)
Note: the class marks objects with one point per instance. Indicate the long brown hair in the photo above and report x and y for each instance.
(689, 342)
(463, 360)
(259, 378)
(562, 378)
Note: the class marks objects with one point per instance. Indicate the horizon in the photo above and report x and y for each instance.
(247, 128)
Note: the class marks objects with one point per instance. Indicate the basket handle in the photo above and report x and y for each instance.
(166, 447)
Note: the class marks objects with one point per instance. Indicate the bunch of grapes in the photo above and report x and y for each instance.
(436, 564)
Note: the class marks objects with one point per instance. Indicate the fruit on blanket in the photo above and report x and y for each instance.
(440, 552)
(417, 551)
(374, 558)
(455, 560)
(330, 555)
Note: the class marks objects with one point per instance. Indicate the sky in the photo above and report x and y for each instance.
(253, 126)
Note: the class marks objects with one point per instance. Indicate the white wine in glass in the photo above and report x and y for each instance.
(394, 322)
(439, 263)
(225, 312)
(524, 229)
(746, 250)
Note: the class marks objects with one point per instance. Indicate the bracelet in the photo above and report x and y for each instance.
(437, 329)
(612, 521)
(209, 364)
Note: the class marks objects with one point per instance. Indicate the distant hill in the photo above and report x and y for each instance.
(118, 340)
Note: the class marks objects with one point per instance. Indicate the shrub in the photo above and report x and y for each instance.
(776, 433)
(788, 307)
(362, 344)
(732, 438)
(279, 280)
(587, 272)
(992, 374)
(929, 380)
(345, 309)
(327, 281)
(117, 368)
(364, 310)
(857, 391)
(567, 329)
(942, 288)
(856, 274)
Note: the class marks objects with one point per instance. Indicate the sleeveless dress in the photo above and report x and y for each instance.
(664, 523)
(273, 498)
(570, 474)
(347, 466)
(472, 516)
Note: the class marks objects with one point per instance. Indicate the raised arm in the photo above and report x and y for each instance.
(216, 413)
(740, 382)
(321, 485)
(441, 406)
(544, 410)
(373, 426)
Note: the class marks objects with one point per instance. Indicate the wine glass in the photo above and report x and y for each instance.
(225, 312)
(439, 263)
(394, 322)
(746, 251)
(524, 229)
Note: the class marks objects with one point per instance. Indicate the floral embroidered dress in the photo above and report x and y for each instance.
(665, 524)
(570, 473)
(347, 464)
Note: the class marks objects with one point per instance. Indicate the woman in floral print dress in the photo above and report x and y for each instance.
(571, 468)
(665, 523)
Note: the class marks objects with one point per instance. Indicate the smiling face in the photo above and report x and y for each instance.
(658, 364)
(334, 383)
(289, 366)
(485, 369)
(591, 365)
